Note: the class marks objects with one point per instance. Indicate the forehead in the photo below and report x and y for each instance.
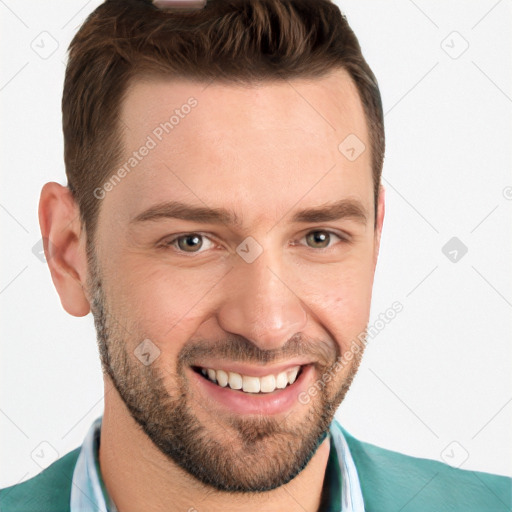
(253, 146)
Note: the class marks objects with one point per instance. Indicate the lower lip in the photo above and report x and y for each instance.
(280, 400)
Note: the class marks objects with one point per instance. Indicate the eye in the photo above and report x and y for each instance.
(194, 243)
(321, 239)
(189, 242)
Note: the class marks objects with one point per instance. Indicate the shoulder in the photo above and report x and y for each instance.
(395, 481)
(49, 491)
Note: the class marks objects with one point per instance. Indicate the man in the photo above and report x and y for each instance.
(222, 222)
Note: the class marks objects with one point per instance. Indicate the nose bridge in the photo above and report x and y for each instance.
(261, 305)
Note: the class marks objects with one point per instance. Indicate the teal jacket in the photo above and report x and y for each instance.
(390, 482)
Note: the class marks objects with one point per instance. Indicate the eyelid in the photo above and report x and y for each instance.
(344, 238)
(169, 242)
(340, 234)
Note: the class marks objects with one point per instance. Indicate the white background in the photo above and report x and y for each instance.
(438, 375)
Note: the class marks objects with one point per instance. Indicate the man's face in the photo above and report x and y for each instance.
(256, 299)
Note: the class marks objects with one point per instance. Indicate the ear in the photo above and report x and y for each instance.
(64, 246)
(381, 208)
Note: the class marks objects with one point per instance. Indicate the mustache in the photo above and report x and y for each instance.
(236, 348)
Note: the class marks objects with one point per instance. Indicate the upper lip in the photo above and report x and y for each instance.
(251, 370)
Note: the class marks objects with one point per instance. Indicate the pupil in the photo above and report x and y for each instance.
(320, 237)
(193, 239)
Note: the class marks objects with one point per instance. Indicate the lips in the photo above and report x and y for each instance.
(250, 383)
(219, 400)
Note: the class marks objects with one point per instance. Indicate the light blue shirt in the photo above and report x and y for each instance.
(89, 493)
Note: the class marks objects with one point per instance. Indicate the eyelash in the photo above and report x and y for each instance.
(171, 243)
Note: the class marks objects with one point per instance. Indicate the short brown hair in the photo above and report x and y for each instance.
(234, 41)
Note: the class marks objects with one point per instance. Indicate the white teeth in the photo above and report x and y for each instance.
(281, 380)
(222, 378)
(235, 380)
(267, 384)
(250, 384)
(292, 375)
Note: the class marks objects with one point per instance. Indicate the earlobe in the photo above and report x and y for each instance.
(64, 246)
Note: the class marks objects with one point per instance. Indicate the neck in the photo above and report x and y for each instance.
(139, 477)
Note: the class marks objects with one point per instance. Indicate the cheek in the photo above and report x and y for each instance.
(166, 302)
(340, 297)
(163, 301)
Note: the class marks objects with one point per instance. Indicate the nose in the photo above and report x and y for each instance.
(261, 303)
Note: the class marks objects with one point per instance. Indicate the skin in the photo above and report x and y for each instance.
(294, 299)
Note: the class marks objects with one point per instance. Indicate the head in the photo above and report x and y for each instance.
(223, 211)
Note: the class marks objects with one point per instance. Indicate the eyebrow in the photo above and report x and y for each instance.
(344, 208)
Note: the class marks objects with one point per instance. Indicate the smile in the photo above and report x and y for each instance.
(251, 384)
(243, 389)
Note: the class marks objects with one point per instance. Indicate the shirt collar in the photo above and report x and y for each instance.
(341, 486)
(88, 492)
